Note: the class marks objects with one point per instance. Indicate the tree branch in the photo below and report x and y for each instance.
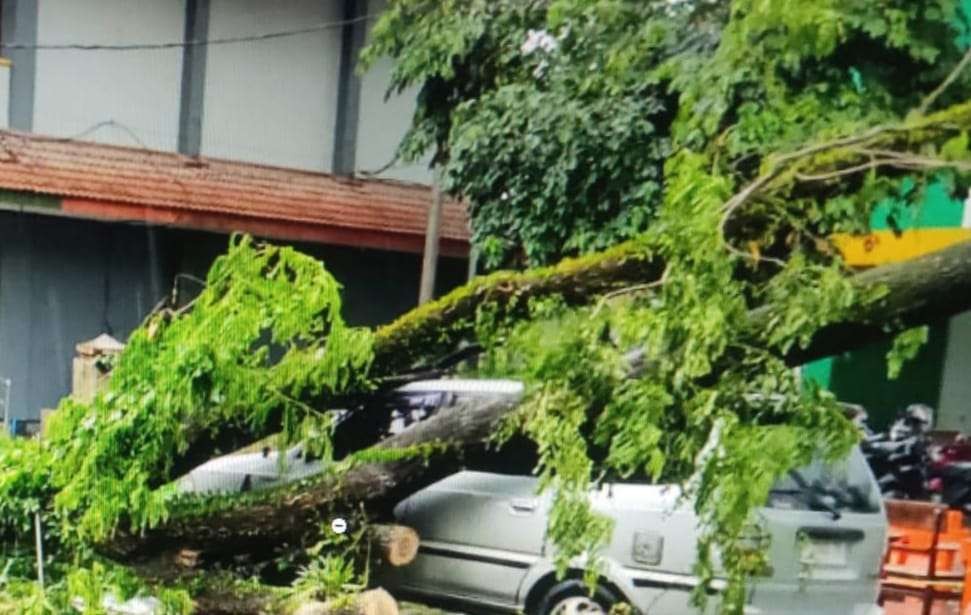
(951, 78)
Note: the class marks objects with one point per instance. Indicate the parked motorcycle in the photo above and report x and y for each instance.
(909, 465)
(949, 472)
(899, 457)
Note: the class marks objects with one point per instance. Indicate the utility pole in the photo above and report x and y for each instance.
(429, 266)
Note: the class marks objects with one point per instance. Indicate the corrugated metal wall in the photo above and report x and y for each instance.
(63, 281)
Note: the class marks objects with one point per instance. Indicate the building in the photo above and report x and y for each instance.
(940, 376)
(129, 152)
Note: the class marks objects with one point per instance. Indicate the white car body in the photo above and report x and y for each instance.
(484, 544)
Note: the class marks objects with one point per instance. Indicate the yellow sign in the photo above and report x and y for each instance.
(882, 247)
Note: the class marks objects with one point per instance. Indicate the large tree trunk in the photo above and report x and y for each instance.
(436, 328)
(921, 291)
(260, 522)
(916, 292)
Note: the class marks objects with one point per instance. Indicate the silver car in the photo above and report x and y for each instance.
(483, 531)
(484, 545)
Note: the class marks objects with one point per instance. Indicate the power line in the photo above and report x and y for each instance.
(181, 44)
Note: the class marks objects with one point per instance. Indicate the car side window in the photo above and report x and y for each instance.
(517, 457)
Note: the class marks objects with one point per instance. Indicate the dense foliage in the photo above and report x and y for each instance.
(264, 336)
(726, 140)
(760, 128)
(266, 331)
(554, 119)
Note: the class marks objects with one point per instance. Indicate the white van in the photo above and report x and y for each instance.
(484, 546)
(483, 531)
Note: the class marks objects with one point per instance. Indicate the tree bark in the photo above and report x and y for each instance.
(921, 291)
(296, 515)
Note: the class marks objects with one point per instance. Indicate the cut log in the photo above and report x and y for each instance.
(263, 522)
(372, 602)
(397, 545)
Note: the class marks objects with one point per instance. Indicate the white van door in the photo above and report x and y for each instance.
(825, 559)
(480, 532)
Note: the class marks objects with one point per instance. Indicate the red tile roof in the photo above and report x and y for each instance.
(121, 183)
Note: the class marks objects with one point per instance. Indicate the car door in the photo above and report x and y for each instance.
(480, 532)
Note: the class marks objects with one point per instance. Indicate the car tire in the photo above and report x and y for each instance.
(573, 598)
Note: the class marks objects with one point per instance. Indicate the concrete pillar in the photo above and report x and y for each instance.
(18, 26)
(955, 403)
(193, 77)
(349, 92)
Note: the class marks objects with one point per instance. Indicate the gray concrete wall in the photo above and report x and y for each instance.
(273, 102)
(955, 402)
(383, 123)
(270, 102)
(63, 281)
(139, 90)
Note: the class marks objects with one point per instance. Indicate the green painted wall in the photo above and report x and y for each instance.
(938, 208)
(861, 376)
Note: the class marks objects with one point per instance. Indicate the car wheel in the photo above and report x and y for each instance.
(573, 598)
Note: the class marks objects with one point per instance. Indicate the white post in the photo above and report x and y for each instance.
(40, 549)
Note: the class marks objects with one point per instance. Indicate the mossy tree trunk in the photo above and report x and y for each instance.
(921, 291)
(258, 523)
(916, 292)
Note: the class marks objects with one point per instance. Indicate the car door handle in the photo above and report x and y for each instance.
(522, 506)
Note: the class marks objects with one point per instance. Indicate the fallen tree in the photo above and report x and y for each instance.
(729, 281)
(295, 515)
(916, 292)
(415, 340)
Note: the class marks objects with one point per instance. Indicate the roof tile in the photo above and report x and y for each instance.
(174, 182)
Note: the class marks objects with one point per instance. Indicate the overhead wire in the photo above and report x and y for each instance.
(193, 43)
(393, 163)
